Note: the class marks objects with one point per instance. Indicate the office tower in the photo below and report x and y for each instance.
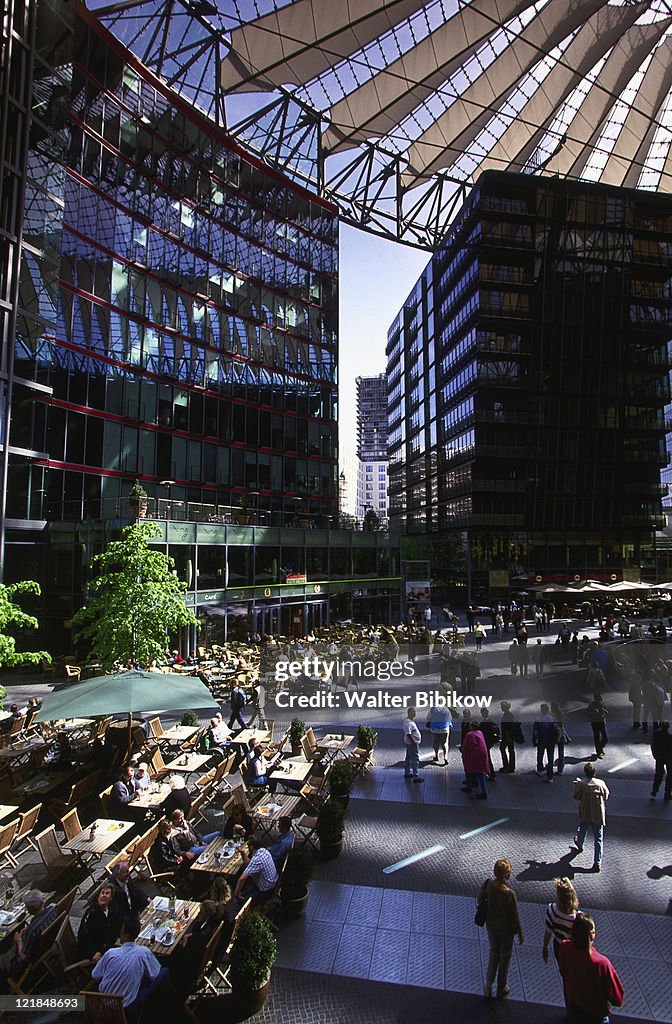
(528, 372)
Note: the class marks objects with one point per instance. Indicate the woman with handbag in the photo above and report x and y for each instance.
(503, 924)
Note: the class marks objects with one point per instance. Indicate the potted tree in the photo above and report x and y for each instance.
(137, 499)
(366, 737)
(294, 892)
(297, 731)
(189, 718)
(251, 960)
(341, 779)
(244, 517)
(330, 828)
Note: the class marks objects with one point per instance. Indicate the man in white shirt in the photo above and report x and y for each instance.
(142, 779)
(412, 740)
(220, 733)
(260, 876)
(130, 971)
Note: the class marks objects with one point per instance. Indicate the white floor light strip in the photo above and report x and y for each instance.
(623, 764)
(412, 860)
(483, 828)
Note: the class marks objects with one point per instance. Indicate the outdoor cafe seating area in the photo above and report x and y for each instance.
(63, 832)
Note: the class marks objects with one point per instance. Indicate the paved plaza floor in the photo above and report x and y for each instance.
(380, 945)
(400, 946)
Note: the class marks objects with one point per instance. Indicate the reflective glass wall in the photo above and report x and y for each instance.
(178, 303)
(528, 374)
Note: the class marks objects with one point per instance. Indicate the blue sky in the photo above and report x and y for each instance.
(375, 278)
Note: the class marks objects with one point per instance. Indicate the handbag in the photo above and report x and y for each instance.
(481, 915)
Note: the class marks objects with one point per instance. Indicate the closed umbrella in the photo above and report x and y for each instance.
(126, 693)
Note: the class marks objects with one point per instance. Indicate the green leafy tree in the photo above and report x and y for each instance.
(11, 614)
(136, 603)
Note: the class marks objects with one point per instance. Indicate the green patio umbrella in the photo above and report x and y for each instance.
(127, 693)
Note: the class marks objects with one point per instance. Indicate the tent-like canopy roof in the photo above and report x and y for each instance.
(393, 107)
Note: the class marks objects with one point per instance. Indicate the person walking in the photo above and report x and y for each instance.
(661, 748)
(597, 714)
(491, 734)
(503, 924)
(539, 657)
(238, 702)
(543, 738)
(440, 722)
(513, 653)
(592, 795)
(561, 737)
(523, 658)
(475, 761)
(636, 699)
(560, 916)
(591, 983)
(654, 703)
(480, 634)
(412, 741)
(507, 742)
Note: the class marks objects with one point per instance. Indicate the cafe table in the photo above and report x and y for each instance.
(292, 770)
(245, 735)
(44, 783)
(162, 932)
(334, 745)
(186, 763)
(220, 857)
(107, 832)
(178, 734)
(268, 813)
(22, 749)
(151, 797)
(7, 809)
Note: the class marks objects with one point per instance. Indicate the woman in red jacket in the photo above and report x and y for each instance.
(475, 761)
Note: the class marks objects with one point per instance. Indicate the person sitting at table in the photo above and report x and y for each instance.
(142, 779)
(187, 842)
(133, 972)
(100, 925)
(178, 798)
(259, 876)
(163, 856)
(239, 823)
(255, 765)
(123, 792)
(280, 847)
(185, 961)
(176, 659)
(128, 897)
(59, 755)
(26, 944)
(14, 716)
(218, 733)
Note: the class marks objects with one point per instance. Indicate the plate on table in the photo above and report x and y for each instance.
(8, 916)
(166, 938)
(202, 859)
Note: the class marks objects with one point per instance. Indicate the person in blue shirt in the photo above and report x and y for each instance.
(283, 844)
(440, 722)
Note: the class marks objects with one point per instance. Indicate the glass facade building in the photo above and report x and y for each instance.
(176, 323)
(528, 374)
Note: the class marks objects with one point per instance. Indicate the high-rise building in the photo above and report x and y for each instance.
(528, 373)
(372, 481)
(176, 324)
